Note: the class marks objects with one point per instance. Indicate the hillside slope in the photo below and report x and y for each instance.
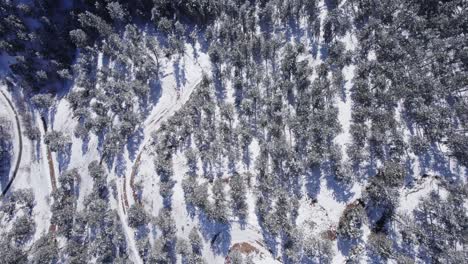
(234, 131)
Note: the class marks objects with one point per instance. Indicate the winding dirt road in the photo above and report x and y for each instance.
(152, 124)
(53, 180)
(20, 151)
(50, 160)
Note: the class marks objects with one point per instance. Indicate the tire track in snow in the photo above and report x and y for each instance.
(178, 102)
(132, 178)
(171, 104)
(20, 140)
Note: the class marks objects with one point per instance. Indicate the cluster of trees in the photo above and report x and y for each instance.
(432, 232)
(18, 200)
(276, 103)
(236, 257)
(43, 37)
(41, 49)
(401, 61)
(16, 213)
(381, 195)
(109, 243)
(351, 221)
(108, 100)
(64, 205)
(57, 141)
(265, 111)
(94, 233)
(318, 249)
(437, 231)
(281, 102)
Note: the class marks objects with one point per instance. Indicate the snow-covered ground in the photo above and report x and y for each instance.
(8, 115)
(33, 174)
(180, 77)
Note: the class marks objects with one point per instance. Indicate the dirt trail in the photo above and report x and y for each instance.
(151, 124)
(52, 227)
(154, 121)
(125, 203)
(124, 196)
(20, 152)
(132, 178)
(50, 161)
(53, 181)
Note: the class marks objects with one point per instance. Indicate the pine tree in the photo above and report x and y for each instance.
(196, 241)
(238, 195)
(235, 257)
(220, 207)
(137, 216)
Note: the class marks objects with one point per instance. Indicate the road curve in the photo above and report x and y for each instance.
(154, 121)
(20, 152)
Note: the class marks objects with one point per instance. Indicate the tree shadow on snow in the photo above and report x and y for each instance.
(436, 161)
(345, 245)
(246, 157)
(269, 239)
(5, 164)
(204, 43)
(134, 142)
(217, 78)
(38, 149)
(121, 165)
(219, 234)
(433, 159)
(63, 157)
(155, 92)
(323, 49)
(142, 232)
(343, 95)
(179, 74)
(313, 182)
(85, 144)
(294, 31)
(341, 190)
(50, 115)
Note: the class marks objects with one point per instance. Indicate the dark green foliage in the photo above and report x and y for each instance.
(164, 246)
(137, 216)
(79, 38)
(351, 221)
(10, 253)
(238, 195)
(410, 64)
(64, 206)
(45, 250)
(57, 141)
(220, 206)
(42, 48)
(319, 249)
(393, 174)
(442, 225)
(413, 68)
(380, 244)
(196, 241)
(23, 229)
(22, 198)
(458, 144)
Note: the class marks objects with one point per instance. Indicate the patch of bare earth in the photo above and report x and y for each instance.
(244, 248)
